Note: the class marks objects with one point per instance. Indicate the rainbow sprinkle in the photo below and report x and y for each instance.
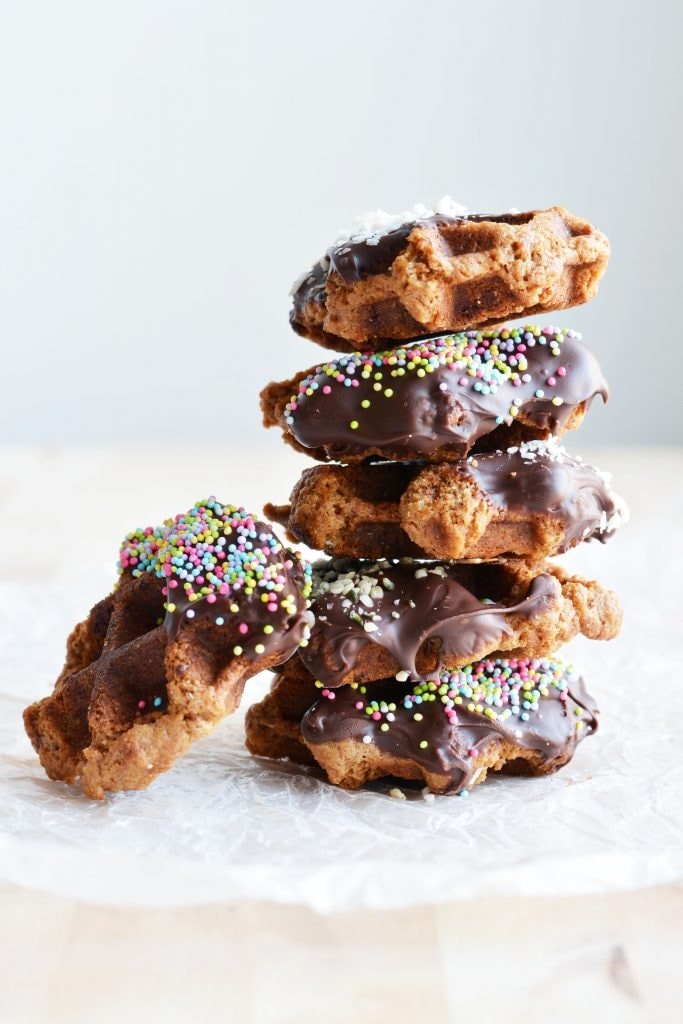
(497, 689)
(215, 550)
(485, 360)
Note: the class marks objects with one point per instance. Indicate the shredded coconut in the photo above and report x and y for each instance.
(371, 226)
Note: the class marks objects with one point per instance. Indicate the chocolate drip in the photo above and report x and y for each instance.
(289, 628)
(427, 413)
(240, 618)
(451, 744)
(421, 607)
(544, 480)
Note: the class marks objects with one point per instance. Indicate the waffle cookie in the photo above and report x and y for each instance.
(430, 272)
(438, 399)
(204, 602)
(532, 501)
(411, 619)
(520, 716)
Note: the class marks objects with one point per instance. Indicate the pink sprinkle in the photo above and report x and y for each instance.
(376, 716)
(243, 628)
(551, 381)
(359, 705)
(327, 389)
(211, 598)
(561, 371)
(463, 381)
(141, 704)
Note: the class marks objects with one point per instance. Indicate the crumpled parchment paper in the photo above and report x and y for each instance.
(224, 826)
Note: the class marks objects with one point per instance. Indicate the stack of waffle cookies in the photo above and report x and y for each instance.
(440, 492)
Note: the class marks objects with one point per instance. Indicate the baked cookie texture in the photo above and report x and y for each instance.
(532, 501)
(438, 399)
(438, 273)
(519, 716)
(164, 658)
(374, 620)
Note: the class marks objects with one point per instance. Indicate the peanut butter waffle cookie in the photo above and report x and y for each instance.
(436, 271)
(532, 501)
(204, 602)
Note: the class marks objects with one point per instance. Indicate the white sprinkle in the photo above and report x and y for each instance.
(367, 739)
(189, 613)
(371, 226)
(220, 621)
(427, 795)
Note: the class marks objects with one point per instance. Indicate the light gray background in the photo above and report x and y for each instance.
(168, 168)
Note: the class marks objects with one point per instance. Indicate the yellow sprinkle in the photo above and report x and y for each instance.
(389, 393)
(237, 650)
(354, 424)
(365, 404)
(259, 648)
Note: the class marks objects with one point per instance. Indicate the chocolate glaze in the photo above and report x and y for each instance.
(452, 746)
(289, 627)
(435, 411)
(543, 479)
(433, 610)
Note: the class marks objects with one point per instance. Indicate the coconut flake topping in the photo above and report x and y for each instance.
(371, 226)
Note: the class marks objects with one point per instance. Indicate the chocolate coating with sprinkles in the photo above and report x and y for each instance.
(539, 704)
(228, 570)
(443, 394)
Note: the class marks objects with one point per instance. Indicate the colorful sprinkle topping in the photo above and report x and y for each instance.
(498, 689)
(483, 360)
(215, 550)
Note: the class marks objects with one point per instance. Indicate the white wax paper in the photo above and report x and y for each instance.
(224, 826)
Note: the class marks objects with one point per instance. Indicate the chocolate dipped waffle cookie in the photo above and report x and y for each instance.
(532, 501)
(518, 716)
(433, 271)
(204, 602)
(438, 399)
(410, 619)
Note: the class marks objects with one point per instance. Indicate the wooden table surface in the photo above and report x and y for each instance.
(610, 958)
